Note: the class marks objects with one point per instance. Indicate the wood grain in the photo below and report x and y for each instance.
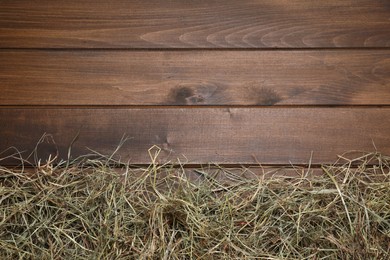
(194, 24)
(201, 135)
(354, 77)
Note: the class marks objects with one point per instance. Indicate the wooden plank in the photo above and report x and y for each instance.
(224, 174)
(194, 24)
(201, 135)
(195, 78)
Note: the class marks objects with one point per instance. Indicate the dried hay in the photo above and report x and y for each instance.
(90, 210)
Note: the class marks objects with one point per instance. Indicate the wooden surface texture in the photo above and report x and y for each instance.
(228, 82)
(200, 135)
(194, 24)
(195, 77)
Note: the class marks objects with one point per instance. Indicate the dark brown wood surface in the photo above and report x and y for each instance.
(194, 24)
(201, 135)
(337, 77)
(103, 69)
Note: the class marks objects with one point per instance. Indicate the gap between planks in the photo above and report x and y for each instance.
(276, 49)
(99, 107)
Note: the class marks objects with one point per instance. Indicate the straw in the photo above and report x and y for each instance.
(90, 209)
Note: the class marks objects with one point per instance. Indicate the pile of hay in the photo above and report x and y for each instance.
(89, 210)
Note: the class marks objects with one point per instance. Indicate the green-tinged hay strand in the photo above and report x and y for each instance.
(92, 211)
